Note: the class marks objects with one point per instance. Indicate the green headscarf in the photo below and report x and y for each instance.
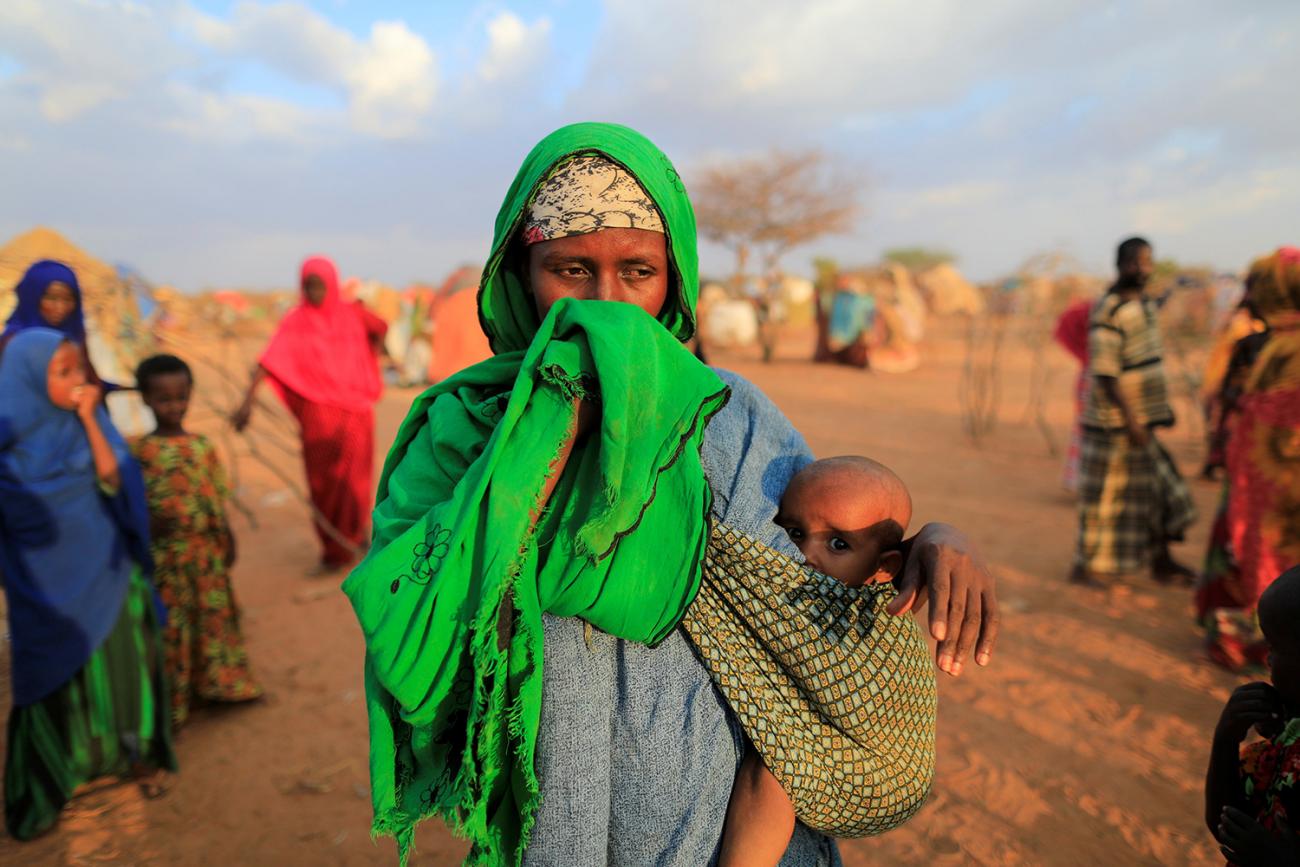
(451, 596)
(506, 307)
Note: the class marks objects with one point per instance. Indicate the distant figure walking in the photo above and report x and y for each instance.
(323, 362)
(1132, 500)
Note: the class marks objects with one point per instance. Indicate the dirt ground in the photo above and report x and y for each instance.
(1083, 743)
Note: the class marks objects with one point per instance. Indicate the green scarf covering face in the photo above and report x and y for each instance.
(451, 596)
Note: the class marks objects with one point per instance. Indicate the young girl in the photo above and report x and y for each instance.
(89, 691)
(192, 546)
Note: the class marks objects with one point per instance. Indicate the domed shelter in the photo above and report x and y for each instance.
(457, 337)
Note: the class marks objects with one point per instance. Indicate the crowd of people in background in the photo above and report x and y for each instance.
(1133, 503)
(1133, 500)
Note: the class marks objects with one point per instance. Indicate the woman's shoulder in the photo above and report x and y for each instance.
(744, 394)
(750, 452)
(750, 412)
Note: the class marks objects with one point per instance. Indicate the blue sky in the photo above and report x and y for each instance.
(216, 143)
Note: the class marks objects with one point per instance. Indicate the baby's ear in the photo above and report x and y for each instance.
(891, 564)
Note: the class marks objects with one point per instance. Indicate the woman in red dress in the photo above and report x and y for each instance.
(323, 362)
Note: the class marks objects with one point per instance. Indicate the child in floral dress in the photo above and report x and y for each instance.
(193, 547)
(1252, 794)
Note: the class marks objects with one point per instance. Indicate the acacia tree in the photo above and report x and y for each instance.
(918, 258)
(765, 206)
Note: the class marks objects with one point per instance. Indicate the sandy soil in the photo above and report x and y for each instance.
(1083, 743)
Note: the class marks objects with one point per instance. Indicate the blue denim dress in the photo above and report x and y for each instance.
(637, 751)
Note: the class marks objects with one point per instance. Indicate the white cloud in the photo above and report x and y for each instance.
(240, 117)
(388, 80)
(782, 59)
(513, 46)
(392, 81)
(71, 54)
(996, 129)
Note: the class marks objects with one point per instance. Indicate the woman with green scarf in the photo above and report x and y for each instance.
(539, 533)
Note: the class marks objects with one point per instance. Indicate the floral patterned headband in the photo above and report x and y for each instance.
(587, 194)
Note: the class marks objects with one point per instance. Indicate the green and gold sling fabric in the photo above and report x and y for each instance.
(836, 695)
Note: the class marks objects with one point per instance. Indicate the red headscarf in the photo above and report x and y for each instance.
(323, 353)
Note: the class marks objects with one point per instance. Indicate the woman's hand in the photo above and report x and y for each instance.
(960, 589)
(87, 397)
(240, 418)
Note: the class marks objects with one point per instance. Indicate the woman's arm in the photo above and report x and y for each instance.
(583, 417)
(376, 331)
(106, 469)
(244, 414)
(961, 591)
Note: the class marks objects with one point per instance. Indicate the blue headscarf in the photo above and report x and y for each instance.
(32, 288)
(67, 550)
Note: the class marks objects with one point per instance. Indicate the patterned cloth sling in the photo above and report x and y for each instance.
(837, 696)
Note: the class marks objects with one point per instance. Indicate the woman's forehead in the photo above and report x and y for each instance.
(58, 287)
(623, 243)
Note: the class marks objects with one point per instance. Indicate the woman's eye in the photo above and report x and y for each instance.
(572, 271)
(638, 273)
(838, 544)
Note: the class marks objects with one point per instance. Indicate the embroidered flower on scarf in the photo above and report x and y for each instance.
(430, 553)
(493, 408)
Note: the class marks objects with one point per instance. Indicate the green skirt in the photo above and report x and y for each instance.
(109, 719)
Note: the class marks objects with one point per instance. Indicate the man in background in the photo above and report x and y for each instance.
(1132, 500)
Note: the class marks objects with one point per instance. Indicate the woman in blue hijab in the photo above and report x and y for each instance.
(49, 296)
(88, 691)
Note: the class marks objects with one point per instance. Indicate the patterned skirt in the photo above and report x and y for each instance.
(109, 719)
(1131, 502)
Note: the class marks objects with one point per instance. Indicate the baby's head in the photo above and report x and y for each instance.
(165, 383)
(848, 515)
(1279, 618)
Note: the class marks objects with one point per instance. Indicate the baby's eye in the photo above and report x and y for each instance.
(838, 544)
(795, 534)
